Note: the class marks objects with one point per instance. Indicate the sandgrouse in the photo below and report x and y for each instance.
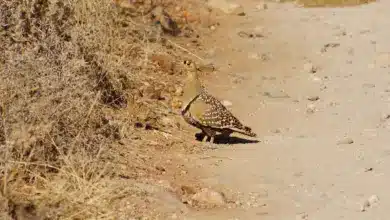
(205, 112)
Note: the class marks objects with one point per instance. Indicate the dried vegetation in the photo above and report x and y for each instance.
(87, 129)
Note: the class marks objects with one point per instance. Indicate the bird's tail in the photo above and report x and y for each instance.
(247, 131)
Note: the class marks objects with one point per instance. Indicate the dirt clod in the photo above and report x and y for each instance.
(208, 197)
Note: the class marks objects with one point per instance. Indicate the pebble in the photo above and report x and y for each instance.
(329, 45)
(311, 109)
(313, 98)
(275, 93)
(176, 103)
(310, 67)
(368, 169)
(227, 103)
(224, 6)
(385, 117)
(262, 6)
(368, 85)
(383, 60)
(179, 91)
(374, 199)
(209, 197)
(302, 216)
(168, 122)
(345, 141)
(254, 56)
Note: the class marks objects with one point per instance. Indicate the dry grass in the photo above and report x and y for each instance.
(75, 77)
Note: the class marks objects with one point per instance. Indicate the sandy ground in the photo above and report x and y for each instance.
(314, 85)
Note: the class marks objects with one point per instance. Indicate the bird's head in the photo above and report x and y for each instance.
(192, 85)
(191, 69)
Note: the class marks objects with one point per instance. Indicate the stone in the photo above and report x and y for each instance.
(313, 98)
(176, 103)
(225, 6)
(275, 93)
(311, 109)
(207, 196)
(227, 103)
(329, 45)
(383, 60)
(262, 6)
(179, 91)
(371, 201)
(310, 67)
(345, 141)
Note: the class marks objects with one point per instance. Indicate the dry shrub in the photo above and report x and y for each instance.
(75, 76)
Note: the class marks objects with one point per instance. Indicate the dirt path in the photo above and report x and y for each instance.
(305, 165)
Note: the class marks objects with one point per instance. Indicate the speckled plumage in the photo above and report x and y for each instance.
(207, 113)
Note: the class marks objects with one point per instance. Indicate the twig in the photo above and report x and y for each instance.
(209, 157)
(184, 49)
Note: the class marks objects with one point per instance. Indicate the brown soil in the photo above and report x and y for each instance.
(89, 127)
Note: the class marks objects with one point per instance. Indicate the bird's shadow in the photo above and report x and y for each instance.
(220, 139)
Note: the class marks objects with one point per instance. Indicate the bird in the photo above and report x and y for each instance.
(202, 110)
(162, 18)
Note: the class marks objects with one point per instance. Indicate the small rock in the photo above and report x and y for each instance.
(383, 60)
(176, 103)
(245, 34)
(374, 199)
(179, 91)
(160, 168)
(227, 103)
(368, 85)
(385, 117)
(302, 216)
(310, 67)
(254, 56)
(207, 67)
(212, 27)
(275, 93)
(333, 104)
(187, 190)
(313, 98)
(209, 197)
(315, 78)
(311, 108)
(168, 122)
(345, 141)
(329, 45)
(241, 14)
(262, 6)
(224, 5)
(368, 169)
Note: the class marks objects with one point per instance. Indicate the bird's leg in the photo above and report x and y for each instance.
(210, 134)
(205, 137)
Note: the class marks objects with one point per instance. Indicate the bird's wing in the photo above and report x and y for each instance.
(213, 114)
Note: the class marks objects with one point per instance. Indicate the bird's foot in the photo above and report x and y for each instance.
(210, 146)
